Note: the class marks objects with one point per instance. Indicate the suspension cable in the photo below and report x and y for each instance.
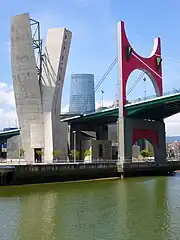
(135, 83)
(147, 65)
(106, 74)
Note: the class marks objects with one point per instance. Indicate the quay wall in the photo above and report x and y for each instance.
(45, 173)
(31, 174)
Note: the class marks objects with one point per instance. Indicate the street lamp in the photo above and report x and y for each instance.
(74, 139)
(102, 98)
(144, 79)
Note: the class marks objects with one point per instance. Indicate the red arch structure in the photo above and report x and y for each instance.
(130, 129)
(145, 134)
(129, 61)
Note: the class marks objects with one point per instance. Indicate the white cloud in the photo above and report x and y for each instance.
(3, 85)
(7, 118)
(173, 125)
(106, 103)
(65, 109)
(7, 94)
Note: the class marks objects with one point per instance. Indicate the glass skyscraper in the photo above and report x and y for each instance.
(82, 96)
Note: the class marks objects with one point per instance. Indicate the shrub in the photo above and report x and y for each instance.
(21, 152)
(57, 154)
(146, 153)
(75, 153)
(39, 152)
(87, 152)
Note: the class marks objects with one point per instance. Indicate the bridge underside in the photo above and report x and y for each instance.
(155, 110)
(4, 136)
(95, 120)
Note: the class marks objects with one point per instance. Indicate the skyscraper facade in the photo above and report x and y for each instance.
(82, 95)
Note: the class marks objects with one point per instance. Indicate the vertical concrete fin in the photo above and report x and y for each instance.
(53, 73)
(26, 85)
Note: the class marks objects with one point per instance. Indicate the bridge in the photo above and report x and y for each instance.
(157, 108)
(141, 119)
(6, 134)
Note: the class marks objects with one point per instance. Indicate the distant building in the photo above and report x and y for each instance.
(82, 96)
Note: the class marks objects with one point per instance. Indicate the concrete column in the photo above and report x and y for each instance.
(126, 126)
(160, 150)
(125, 140)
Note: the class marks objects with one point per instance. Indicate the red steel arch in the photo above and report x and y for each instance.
(145, 134)
(129, 61)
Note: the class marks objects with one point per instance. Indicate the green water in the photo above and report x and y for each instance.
(138, 208)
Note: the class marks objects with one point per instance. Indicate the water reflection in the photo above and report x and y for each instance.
(141, 208)
(37, 218)
(146, 209)
(9, 218)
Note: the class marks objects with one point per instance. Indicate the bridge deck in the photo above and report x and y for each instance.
(155, 109)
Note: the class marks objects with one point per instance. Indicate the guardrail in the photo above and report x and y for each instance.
(23, 162)
(155, 96)
(174, 91)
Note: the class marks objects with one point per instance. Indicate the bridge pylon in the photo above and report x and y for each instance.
(131, 129)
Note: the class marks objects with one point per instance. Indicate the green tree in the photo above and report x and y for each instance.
(57, 154)
(21, 152)
(75, 153)
(146, 154)
(39, 152)
(87, 153)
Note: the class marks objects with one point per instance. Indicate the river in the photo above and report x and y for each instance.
(136, 208)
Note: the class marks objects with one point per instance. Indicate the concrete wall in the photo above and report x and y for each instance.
(126, 126)
(63, 172)
(86, 145)
(26, 85)
(113, 132)
(13, 146)
(107, 149)
(53, 73)
(135, 151)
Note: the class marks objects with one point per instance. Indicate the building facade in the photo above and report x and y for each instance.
(38, 100)
(82, 95)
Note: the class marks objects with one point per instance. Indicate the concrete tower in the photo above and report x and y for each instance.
(53, 73)
(38, 93)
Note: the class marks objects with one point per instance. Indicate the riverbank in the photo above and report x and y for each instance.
(46, 173)
(33, 174)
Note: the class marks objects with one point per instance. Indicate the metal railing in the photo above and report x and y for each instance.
(98, 161)
(174, 91)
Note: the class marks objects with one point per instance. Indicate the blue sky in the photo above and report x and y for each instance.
(94, 47)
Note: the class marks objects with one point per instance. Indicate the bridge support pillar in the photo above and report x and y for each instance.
(131, 130)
